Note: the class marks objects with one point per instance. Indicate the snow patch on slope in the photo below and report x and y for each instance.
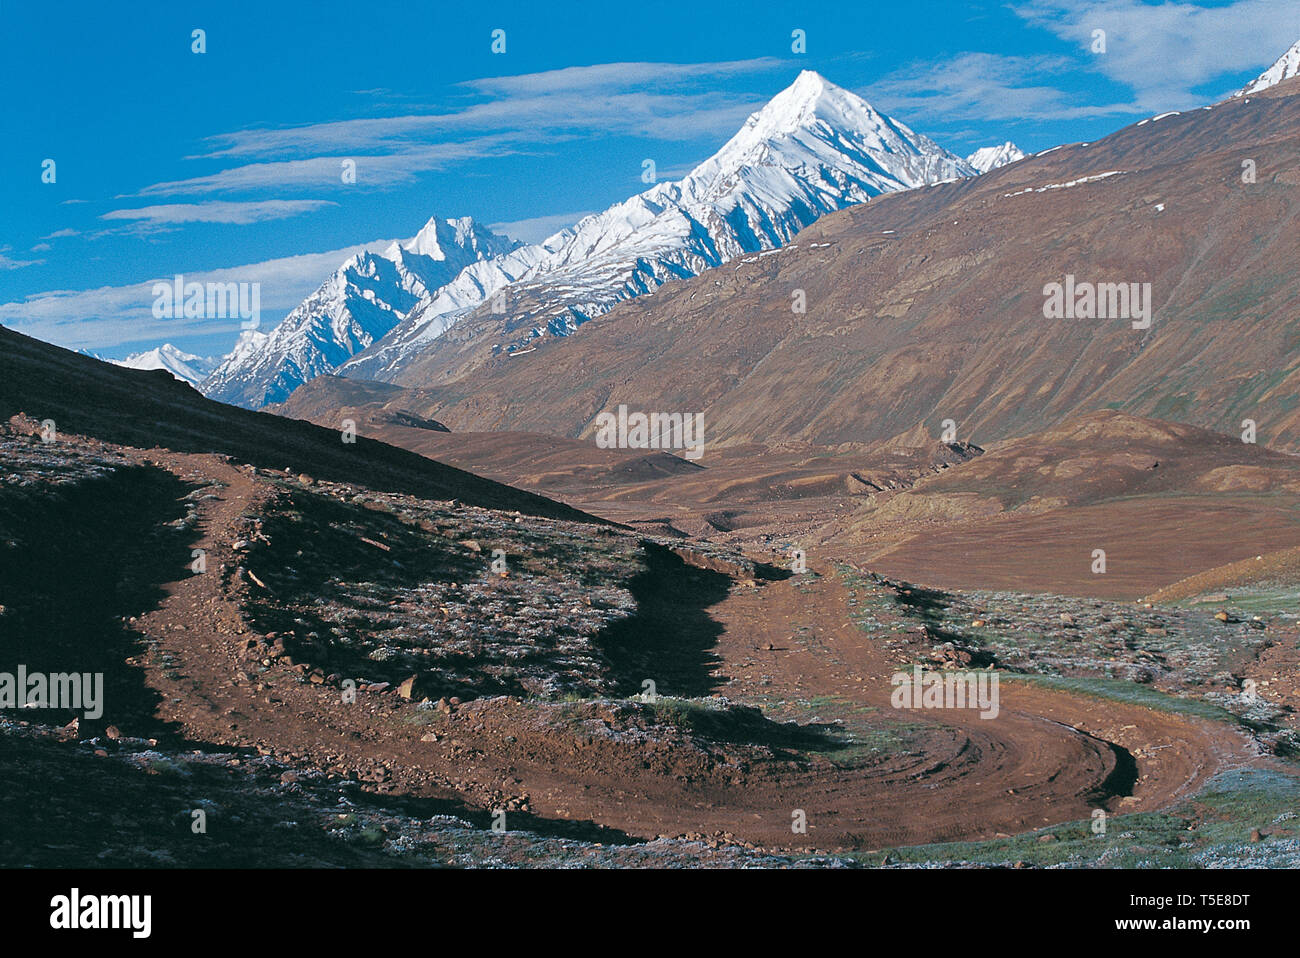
(1066, 185)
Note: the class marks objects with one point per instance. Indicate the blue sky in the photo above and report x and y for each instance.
(226, 164)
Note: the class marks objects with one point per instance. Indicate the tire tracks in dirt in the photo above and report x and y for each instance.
(1045, 758)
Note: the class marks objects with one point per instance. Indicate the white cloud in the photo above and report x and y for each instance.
(8, 262)
(537, 228)
(215, 211)
(1165, 51)
(111, 315)
(605, 76)
(378, 170)
(985, 86)
(523, 114)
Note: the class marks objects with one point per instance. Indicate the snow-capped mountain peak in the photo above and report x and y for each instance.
(812, 149)
(1287, 66)
(364, 299)
(808, 98)
(811, 98)
(991, 157)
(815, 119)
(184, 366)
(439, 235)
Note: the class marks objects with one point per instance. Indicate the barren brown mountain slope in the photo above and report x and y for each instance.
(744, 493)
(1105, 455)
(928, 305)
(1162, 500)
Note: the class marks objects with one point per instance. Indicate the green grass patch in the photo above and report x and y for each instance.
(1212, 830)
(1131, 693)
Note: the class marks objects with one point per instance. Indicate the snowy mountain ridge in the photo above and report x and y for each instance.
(813, 149)
(991, 157)
(184, 366)
(1285, 67)
(364, 299)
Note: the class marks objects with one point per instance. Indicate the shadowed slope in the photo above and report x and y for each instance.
(151, 409)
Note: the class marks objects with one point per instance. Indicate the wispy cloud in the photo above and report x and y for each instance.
(610, 76)
(104, 317)
(215, 211)
(1160, 56)
(8, 262)
(537, 228)
(498, 115)
(1166, 51)
(370, 170)
(986, 86)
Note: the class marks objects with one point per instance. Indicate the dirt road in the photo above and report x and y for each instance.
(865, 776)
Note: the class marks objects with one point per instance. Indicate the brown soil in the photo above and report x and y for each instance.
(1282, 566)
(1149, 543)
(810, 727)
(1049, 758)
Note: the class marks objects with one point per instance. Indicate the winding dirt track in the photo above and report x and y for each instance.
(1044, 759)
(1047, 757)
